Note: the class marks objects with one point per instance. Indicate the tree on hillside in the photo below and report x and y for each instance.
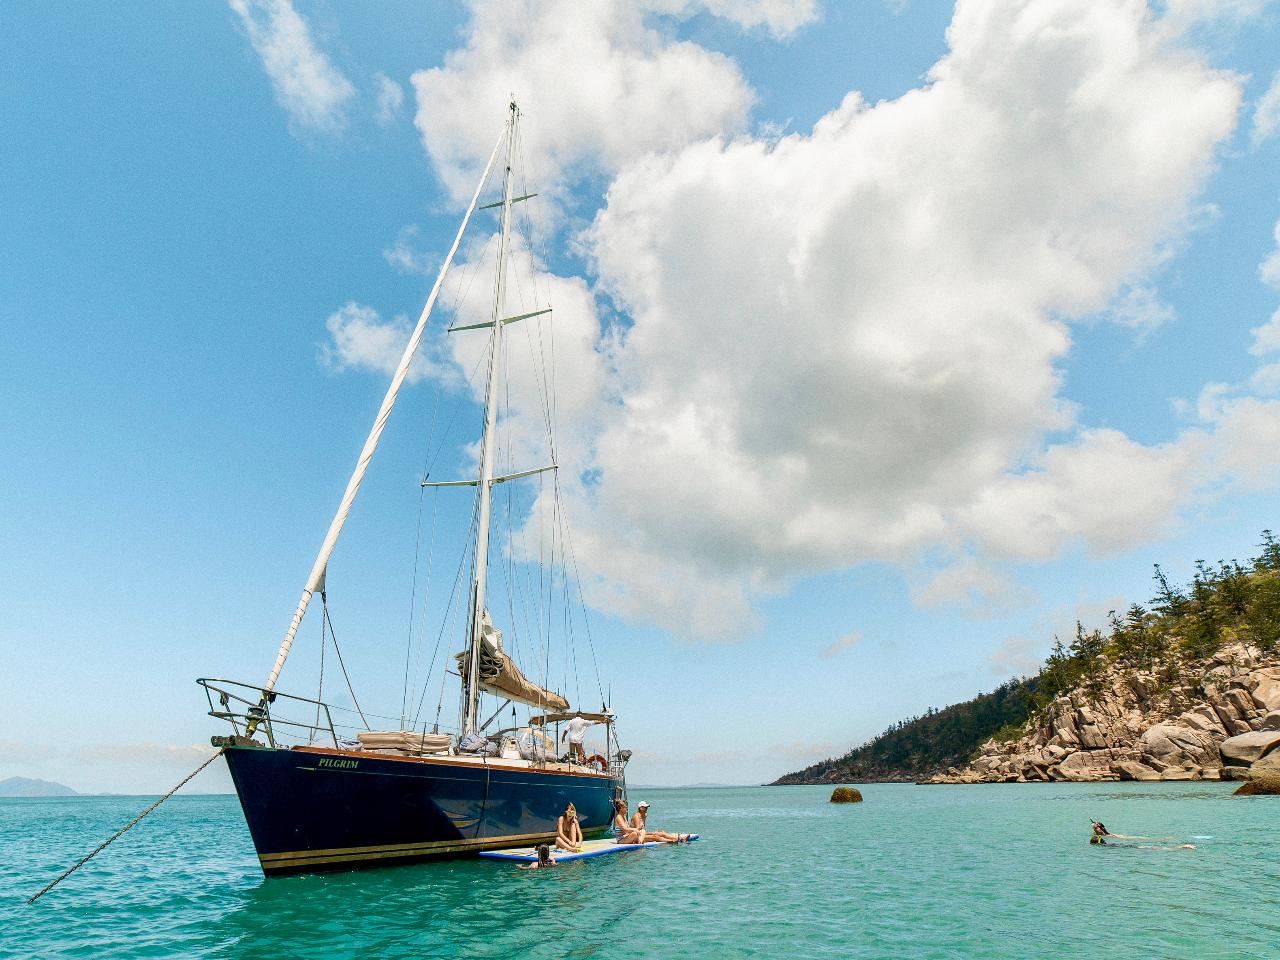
(1223, 603)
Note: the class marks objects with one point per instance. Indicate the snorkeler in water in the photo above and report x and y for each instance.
(1100, 833)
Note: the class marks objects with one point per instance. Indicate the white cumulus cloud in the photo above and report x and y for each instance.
(781, 18)
(1269, 270)
(359, 339)
(1141, 310)
(844, 344)
(1194, 11)
(846, 642)
(390, 99)
(861, 361)
(1018, 657)
(974, 587)
(599, 84)
(311, 89)
(1266, 114)
(1266, 338)
(1104, 490)
(407, 258)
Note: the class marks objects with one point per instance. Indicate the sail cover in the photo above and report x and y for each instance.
(501, 677)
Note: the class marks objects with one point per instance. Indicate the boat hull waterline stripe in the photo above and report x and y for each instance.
(273, 862)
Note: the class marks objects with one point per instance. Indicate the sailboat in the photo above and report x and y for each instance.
(406, 795)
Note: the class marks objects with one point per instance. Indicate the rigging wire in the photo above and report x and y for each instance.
(453, 594)
(554, 593)
(461, 291)
(430, 465)
(324, 603)
(311, 737)
(577, 576)
(417, 553)
(413, 603)
(528, 220)
(426, 597)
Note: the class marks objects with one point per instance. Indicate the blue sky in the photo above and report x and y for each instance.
(876, 396)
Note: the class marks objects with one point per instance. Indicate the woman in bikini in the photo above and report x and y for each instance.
(623, 831)
(569, 831)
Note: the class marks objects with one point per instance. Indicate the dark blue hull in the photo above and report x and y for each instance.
(315, 809)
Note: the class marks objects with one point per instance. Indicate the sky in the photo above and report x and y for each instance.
(890, 340)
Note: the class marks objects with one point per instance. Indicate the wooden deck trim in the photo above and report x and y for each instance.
(450, 762)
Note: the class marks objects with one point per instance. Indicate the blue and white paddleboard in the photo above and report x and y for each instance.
(592, 848)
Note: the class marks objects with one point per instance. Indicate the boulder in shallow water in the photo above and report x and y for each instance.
(1265, 783)
(1245, 748)
(846, 795)
(1133, 770)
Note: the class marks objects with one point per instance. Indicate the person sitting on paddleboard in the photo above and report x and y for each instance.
(569, 831)
(640, 822)
(623, 831)
(544, 859)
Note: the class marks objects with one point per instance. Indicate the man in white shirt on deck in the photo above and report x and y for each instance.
(577, 732)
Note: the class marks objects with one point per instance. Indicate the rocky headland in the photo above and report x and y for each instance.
(1207, 719)
(1187, 688)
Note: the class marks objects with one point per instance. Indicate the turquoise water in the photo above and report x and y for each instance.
(990, 871)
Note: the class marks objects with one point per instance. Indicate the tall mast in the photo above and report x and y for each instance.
(471, 700)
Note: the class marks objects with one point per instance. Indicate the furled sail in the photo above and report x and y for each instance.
(501, 677)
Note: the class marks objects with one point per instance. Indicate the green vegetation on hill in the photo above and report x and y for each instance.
(1224, 603)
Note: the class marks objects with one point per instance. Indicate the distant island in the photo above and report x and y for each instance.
(24, 787)
(1188, 689)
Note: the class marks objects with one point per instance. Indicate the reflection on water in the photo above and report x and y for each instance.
(994, 871)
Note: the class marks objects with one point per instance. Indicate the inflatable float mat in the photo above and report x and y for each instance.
(592, 848)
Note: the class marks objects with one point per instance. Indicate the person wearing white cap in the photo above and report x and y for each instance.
(638, 822)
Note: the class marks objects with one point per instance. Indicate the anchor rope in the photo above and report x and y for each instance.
(123, 830)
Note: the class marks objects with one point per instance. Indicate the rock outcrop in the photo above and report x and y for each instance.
(1265, 784)
(846, 795)
(1205, 720)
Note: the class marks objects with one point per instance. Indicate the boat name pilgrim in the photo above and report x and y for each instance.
(337, 762)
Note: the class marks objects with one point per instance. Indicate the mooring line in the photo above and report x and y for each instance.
(121, 832)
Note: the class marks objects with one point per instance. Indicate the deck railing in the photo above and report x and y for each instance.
(243, 704)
